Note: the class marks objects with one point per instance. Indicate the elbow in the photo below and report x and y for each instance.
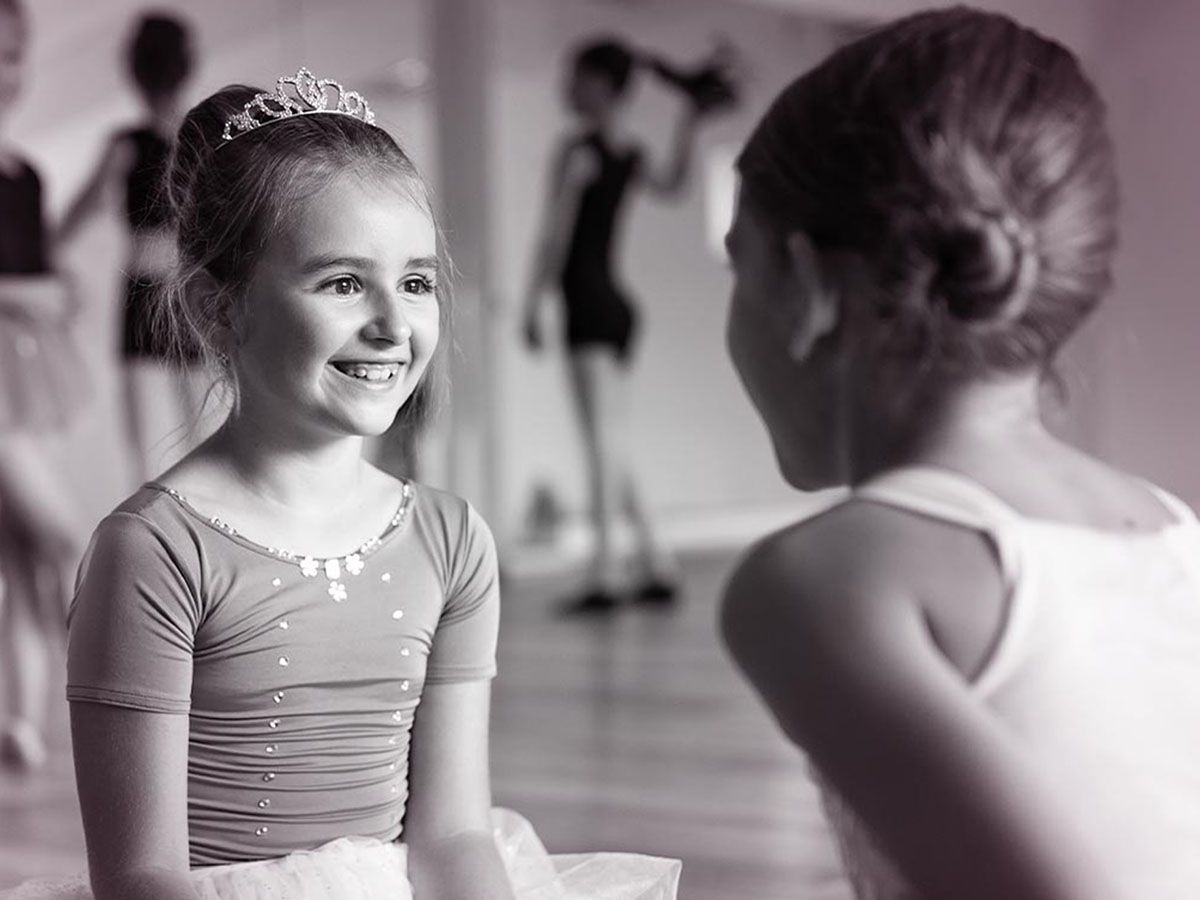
(672, 187)
(144, 884)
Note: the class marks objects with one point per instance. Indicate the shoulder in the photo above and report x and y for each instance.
(148, 524)
(848, 579)
(120, 150)
(449, 516)
(577, 160)
(15, 166)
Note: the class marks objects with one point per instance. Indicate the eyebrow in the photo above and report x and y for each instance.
(329, 261)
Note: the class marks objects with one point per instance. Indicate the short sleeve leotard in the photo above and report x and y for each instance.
(300, 677)
(598, 311)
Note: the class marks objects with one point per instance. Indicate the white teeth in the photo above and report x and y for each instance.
(372, 371)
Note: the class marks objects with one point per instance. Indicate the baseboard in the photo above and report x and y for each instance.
(682, 532)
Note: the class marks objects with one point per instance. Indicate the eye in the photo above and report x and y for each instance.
(418, 284)
(342, 286)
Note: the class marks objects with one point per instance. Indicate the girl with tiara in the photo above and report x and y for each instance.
(41, 388)
(593, 175)
(280, 658)
(133, 165)
(990, 651)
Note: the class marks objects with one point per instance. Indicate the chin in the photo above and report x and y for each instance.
(365, 424)
(806, 474)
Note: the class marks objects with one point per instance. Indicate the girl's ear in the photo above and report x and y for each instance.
(818, 307)
(205, 297)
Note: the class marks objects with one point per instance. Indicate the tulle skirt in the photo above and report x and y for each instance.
(367, 869)
(42, 385)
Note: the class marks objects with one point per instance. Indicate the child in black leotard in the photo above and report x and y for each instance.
(41, 388)
(132, 166)
(593, 176)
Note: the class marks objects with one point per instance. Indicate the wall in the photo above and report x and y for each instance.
(701, 452)
(1150, 416)
(699, 448)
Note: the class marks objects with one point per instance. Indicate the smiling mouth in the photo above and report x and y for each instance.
(376, 372)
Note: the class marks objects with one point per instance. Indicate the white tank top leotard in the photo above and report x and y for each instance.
(1096, 669)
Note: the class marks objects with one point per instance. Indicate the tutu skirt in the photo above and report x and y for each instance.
(42, 386)
(368, 869)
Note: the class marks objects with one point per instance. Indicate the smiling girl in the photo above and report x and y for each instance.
(280, 657)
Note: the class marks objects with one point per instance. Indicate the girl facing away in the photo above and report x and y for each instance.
(39, 396)
(280, 657)
(990, 651)
(159, 58)
(593, 176)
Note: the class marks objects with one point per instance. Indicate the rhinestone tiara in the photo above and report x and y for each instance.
(300, 95)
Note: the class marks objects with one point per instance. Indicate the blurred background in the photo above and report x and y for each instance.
(632, 732)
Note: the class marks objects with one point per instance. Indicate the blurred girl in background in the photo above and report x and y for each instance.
(41, 390)
(593, 175)
(132, 167)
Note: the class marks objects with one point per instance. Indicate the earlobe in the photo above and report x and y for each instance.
(205, 298)
(818, 306)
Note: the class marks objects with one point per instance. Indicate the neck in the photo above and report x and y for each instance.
(163, 115)
(309, 474)
(974, 421)
(601, 122)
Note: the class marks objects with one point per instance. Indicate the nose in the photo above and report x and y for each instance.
(389, 325)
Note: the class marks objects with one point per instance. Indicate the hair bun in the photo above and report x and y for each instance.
(985, 268)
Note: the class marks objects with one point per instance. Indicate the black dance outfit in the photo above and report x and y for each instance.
(598, 312)
(41, 385)
(145, 211)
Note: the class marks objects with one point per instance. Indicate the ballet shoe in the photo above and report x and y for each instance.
(656, 591)
(590, 602)
(22, 747)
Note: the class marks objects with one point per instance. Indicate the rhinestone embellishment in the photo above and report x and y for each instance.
(300, 95)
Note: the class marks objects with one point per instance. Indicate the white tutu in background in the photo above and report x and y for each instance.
(367, 869)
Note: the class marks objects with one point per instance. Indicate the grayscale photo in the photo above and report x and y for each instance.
(599, 450)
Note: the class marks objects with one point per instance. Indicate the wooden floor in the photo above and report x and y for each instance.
(626, 733)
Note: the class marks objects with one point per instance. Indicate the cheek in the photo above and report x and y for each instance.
(289, 337)
(752, 338)
(425, 321)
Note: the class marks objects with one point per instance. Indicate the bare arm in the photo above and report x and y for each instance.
(669, 179)
(844, 659)
(38, 298)
(452, 855)
(572, 172)
(98, 190)
(131, 774)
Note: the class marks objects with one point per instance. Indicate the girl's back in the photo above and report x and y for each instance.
(1090, 661)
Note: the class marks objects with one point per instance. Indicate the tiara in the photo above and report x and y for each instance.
(301, 95)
